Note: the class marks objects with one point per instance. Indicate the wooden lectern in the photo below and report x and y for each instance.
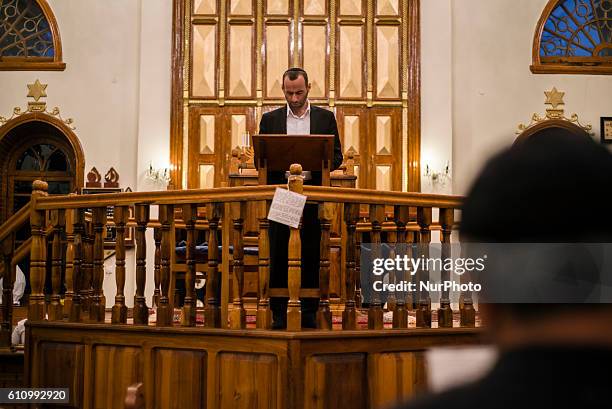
(277, 152)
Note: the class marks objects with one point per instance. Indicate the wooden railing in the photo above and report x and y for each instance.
(404, 217)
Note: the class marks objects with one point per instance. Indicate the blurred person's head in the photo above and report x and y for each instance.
(549, 188)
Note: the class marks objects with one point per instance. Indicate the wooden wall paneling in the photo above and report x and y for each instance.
(314, 57)
(275, 45)
(247, 381)
(387, 59)
(180, 377)
(350, 57)
(178, 66)
(62, 367)
(414, 95)
(239, 58)
(115, 368)
(321, 392)
(387, 120)
(394, 377)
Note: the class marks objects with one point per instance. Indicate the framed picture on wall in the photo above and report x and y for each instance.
(606, 129)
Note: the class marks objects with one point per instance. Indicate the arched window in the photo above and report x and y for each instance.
(29, 36)
(575, 37)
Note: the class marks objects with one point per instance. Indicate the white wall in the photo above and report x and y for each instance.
(492, 87)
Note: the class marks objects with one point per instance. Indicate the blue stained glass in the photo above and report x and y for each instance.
(25, 31)
(577, 28)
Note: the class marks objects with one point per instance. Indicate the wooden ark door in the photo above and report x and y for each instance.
(362, 58)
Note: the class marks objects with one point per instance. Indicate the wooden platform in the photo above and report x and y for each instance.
(208, 368)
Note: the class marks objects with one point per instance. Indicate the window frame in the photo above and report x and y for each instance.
(541, 66)
(54, 63)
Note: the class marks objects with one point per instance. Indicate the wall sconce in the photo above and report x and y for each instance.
(159, 176)
(438, 178)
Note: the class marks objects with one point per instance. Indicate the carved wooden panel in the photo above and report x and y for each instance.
(387, 61)
(351, 7)
(207, 177)
(204, 6)
(207, 134)
(319, 372)
(62, 367)
(203, 82)
(315, 7)
(387, 7)
(180, 376)
(247, 381)
(115, 368)
(238, 129)
(241, 7)
(350, 82)
(240, 58)
(277, 7)
(315, 60)
(395, 377)
(277, 58)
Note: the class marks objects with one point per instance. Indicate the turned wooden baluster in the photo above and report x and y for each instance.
(264, 315)
(157, 236)
(165, 310)
(74, 259)
(212, 309)
(400, 314)
(8, 245)
(141, 311)
(375, 312)
(445, 313)
(349, 315)
(467, 313)
(294, 262)
(97, 310)
(393, 274)
(87, 267)
(358, 291)
(324, 316)
(423, 313)
(119, 312)
(58, 221)
(237, 317)
(38, 254)
(189, 305)
(70, 274)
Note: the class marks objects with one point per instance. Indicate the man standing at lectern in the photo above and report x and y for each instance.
(298, 117)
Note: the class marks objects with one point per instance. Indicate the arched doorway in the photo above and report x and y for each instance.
(35, 147)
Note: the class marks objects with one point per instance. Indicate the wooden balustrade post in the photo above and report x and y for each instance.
(358, 291)
(8, 244)
(264, 315)
(349, 315)
(69, 295)
(400, 314)
(165, 310)
(467, 313)
(87, 267)
(189, 304)
(294, 262)
(393, 274)
(141, 311)
(324, 316)
(375, 312)
(58, 222)
(237, 316)
(157, 236)
(38, 254)
(423, 313)
(119, 312)
(97, 310)
(445, 312)
(74, 263)
(212, 310)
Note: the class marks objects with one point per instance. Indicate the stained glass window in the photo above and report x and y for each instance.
(28, 35)
(575, 33)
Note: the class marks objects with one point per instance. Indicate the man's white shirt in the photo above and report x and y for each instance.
(298, 125)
